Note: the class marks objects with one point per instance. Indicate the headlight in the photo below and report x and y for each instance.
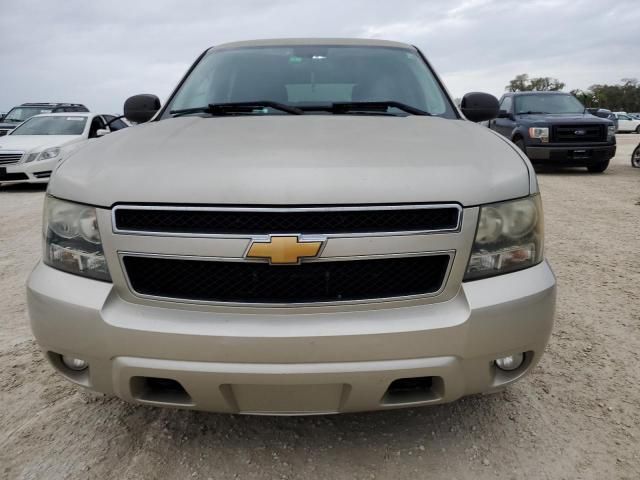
(611, 131)
(509, 238)
(72, 239)
(47, 154)
(541, 133)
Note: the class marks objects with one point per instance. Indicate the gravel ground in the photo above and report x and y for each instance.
(576, 416)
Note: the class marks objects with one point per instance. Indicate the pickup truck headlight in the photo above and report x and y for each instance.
(611, 132)
(72, 239)
(541, 133)
(509, 238)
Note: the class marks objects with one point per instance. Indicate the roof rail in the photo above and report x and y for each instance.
(56, 104)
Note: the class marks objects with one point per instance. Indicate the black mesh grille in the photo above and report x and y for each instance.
(269, 222)
(12, 176)
(248, 282)
(580, 133)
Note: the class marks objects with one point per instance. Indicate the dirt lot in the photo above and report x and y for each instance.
(576, 416)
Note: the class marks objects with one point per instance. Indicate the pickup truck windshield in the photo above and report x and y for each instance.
(308, 76)
(548, 103)
(71, 125)
(20, 114)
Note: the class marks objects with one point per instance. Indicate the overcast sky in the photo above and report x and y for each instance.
(100, 52)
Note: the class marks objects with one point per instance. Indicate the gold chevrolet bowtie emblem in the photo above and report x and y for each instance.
(284, 250)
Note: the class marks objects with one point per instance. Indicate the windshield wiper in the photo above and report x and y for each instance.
(237, 107)
(346, 107)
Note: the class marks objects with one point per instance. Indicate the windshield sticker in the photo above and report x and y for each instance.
(295, 59)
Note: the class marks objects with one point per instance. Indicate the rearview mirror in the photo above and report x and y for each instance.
(478, 106)
(141, 108)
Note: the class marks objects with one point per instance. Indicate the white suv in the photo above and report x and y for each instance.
(627, 123)
(31, 151)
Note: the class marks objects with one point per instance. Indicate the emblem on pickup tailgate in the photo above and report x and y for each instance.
(284, 250)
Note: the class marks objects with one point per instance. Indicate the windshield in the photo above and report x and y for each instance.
(312, 75)
(549, 103)
(49, 125)
(20, 114)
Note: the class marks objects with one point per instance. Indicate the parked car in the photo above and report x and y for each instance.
(315, 228)
(604, 113)
(19, 114)
(627, 123)
(554, 128)
(33, 149)
(635, 116)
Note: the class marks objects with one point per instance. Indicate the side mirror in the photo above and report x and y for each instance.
(478, 106)
(141, 108)
(101, 132)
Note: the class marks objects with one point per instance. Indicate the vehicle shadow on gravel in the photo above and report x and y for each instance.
(23, 187)
(579, 171)
(415, 430)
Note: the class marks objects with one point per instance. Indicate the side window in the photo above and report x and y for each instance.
(96, 124)
(114, 125)
(506, 104)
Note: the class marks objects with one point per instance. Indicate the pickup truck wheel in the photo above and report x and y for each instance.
(635, 158)
(598, 167)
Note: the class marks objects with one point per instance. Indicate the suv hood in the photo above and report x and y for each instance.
(295, 160)
(35, 142)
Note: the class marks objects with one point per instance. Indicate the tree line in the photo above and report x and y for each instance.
(622, 97)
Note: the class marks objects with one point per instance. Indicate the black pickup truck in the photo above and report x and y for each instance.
(554, 128)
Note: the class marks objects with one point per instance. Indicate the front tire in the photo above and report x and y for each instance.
(598, 167)
(520, 144)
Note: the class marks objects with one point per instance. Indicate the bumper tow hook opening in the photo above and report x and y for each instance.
(413, 390)
(159, 390)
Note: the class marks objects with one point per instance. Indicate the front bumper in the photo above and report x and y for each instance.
(298, 362)
(32, 172)
(570, 155)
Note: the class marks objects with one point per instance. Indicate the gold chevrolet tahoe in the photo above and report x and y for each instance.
(306, 226)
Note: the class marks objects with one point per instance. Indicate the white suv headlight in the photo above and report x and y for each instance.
(72, 239)
(47, 154)
(509, 238)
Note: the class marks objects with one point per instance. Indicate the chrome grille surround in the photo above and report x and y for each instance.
(240, 210)
(454, 243)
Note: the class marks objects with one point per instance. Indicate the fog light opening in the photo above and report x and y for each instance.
(511, 362)
(75, 364)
